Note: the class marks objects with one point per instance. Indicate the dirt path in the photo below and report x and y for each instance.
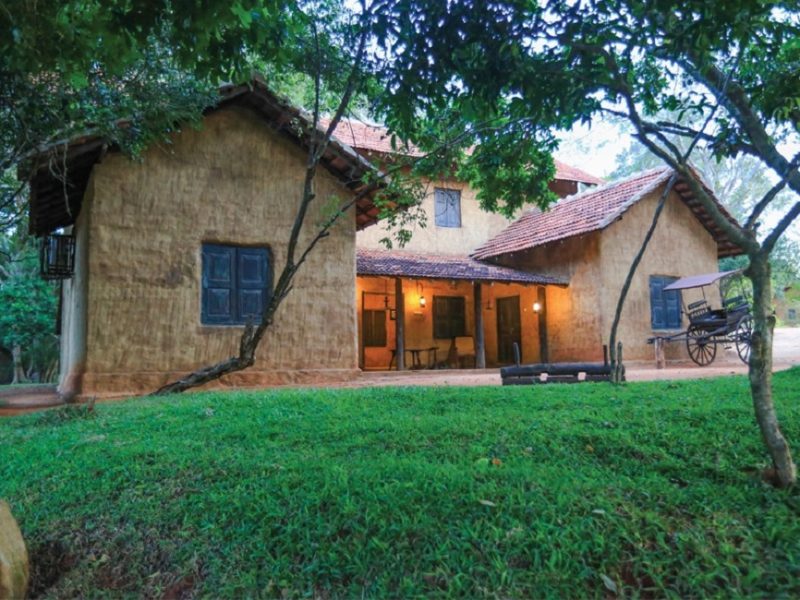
(21, 399)
(786, 353)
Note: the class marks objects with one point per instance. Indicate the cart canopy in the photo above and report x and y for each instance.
(696, 281)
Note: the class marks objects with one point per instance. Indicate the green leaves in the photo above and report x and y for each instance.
(28, 305)
(245, 17)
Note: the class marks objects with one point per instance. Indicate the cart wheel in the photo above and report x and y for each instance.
(702, 349)
(744, 332)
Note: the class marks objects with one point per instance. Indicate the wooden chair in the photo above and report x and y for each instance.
(465, 350)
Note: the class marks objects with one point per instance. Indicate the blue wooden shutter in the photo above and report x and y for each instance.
(658, 310)
(252, 282)
(219, 284)
(672, 301)
(440, 208)
(665, 307)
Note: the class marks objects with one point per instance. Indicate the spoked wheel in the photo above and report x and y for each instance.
(743, 336)
(702, 349)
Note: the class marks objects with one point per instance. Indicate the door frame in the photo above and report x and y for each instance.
(498, 301)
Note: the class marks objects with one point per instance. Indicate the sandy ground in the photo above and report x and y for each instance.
(786, 353)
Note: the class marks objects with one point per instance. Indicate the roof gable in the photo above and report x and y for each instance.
(50, 209)
(594, 210)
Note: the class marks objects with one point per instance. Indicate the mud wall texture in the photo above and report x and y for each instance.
(477, 225)
(579, 317)
(680, 247)
(234, 181)
(572, 314)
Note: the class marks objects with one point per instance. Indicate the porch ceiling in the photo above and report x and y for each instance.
(414, 265)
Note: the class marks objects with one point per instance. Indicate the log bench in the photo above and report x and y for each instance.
(556, 372)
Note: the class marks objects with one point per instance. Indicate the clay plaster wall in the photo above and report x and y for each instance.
(572, 316)
(680, 247)
(579, 317)
(233, 182)
(477, 225)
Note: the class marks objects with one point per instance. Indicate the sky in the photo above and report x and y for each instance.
(597, 150)
(594, 149)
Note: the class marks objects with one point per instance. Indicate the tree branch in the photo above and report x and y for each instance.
(734, 98)
(770, 196)
(677, 161)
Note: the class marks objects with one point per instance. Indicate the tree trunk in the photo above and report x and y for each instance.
(617, 367)
(761, 371)
(19, 369)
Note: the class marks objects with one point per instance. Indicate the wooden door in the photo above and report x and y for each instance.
(509, 329)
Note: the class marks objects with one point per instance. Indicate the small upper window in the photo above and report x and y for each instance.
(236, 284)
(448, 207)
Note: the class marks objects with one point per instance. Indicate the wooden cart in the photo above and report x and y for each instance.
(729, 325)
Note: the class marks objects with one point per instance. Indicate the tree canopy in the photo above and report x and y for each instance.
(734, 66)
(130, 72)
(481, 85)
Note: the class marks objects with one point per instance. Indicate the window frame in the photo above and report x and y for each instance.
(452, 197)
(673, 315)
(446, 330)
(239, 287)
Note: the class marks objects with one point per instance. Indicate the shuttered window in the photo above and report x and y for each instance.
(447, 205)
(374, 326)
(449, 317)
(236, 284)
(665, 307)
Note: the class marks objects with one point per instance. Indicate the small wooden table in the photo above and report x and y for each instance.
(416, 357)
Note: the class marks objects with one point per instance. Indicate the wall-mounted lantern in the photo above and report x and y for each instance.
(537, 307)
(422, 301)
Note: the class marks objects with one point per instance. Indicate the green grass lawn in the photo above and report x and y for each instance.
(651, 489)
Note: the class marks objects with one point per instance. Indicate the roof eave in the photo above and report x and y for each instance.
(549, 281)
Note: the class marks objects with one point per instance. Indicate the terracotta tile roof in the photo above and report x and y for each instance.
(596, 209)
(569, 173)
(374, 138)
(591, 210)
(399, 263)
